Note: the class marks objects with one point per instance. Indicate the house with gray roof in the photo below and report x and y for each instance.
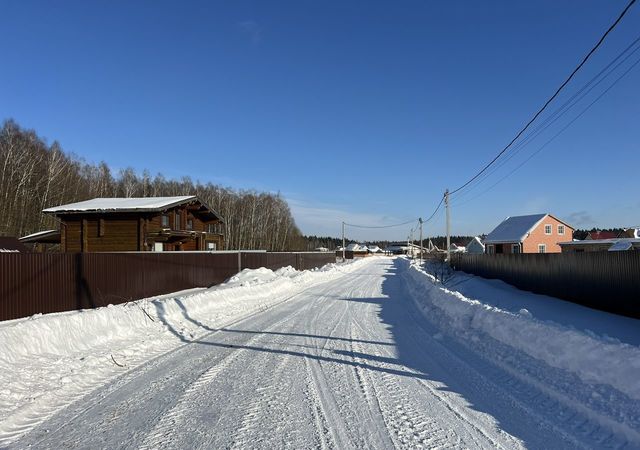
(535, 233)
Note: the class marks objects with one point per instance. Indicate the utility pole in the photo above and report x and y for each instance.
(446, 204)
(408, 245)
(343, 242)
(420, 220)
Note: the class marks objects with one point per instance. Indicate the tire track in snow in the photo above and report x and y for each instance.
(272, 407)
(163, 434)
(408, 426)
(510, 385)
(413, 419)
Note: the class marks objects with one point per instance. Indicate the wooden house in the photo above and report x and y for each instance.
(138, 224)
(536, 233)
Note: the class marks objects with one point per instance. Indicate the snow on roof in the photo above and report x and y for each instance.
(121, 204)
(514, 229)
(38, 234)
(477, 241)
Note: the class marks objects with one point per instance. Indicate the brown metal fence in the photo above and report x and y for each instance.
(609, 281)
(32, 283)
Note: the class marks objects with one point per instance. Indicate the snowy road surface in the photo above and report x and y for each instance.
(349, 363)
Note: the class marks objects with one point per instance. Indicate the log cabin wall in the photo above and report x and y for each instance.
(121, 232)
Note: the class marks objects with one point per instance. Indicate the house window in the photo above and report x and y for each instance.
(177, 222)
(547, 229)
(491, 249)
(211, 246)
(165, 221)
(515, 248)
(189, 224)
(542, 248)
(211, 228)
(101, 227)
(561, 229)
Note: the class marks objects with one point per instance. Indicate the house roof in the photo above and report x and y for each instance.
(590, 242)
(11, 245)
(477, 241)
(599, 235)
(514, 229)
(45, 237)
(122, 204)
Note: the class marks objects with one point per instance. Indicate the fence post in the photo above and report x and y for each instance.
(239, 261)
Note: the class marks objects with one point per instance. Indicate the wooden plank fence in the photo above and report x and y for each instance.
(609, 281)
(32, 283)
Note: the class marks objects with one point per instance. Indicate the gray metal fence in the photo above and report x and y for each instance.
(32, 283)
(609, 281)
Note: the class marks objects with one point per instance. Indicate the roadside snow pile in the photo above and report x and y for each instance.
(48, 361)
(594, 359)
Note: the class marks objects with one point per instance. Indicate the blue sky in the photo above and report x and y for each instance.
(362, 111)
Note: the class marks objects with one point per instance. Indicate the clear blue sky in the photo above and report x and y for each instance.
(363, 111)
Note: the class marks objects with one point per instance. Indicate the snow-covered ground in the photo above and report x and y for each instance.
(373, 354)
(49, 361)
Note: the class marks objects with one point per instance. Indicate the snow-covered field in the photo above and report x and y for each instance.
(372, 354)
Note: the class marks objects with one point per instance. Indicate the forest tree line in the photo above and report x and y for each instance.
(35, 175)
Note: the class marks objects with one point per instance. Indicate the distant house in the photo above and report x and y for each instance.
(599, 235)
(536, 233)
(137, 224)
(457, 248)
(475, 246)
(402, 248)
(600, 245)
(353, 250)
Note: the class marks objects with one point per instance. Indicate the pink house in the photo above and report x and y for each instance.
(536, 233)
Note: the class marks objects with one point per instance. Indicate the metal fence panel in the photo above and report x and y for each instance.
(32, 283)
(609, 281)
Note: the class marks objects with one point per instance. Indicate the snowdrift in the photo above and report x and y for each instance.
(594, 359)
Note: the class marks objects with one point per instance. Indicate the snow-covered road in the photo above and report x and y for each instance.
(347, 363)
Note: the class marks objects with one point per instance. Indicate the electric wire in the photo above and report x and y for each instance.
(380, 226)
(626, 72)
(556, 93)
(560, 112)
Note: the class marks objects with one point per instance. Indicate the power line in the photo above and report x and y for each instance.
(381, 226)
(436, 210)
(556, 93)
(555, 135)
(562, 110)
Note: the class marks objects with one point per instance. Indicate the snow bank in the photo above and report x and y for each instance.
(594, 359)
(48, 361)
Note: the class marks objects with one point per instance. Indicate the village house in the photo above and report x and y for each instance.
(136, 224)
(536, 233)
(475, 246)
